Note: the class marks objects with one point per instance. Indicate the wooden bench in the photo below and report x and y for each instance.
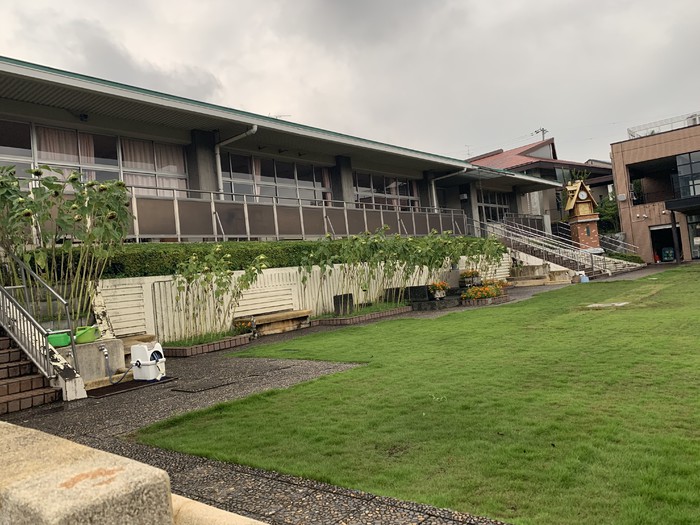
(272, 310)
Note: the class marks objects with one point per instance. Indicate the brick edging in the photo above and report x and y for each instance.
(344, 321)
(223, 344)
(486, 301)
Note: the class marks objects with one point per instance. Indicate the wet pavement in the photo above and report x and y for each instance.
(274, 498)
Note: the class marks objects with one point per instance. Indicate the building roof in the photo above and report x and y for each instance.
(524, 157)
(82, 95)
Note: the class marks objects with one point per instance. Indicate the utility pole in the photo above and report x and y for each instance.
(541, 130)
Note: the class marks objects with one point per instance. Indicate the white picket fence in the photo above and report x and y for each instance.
(149, 305)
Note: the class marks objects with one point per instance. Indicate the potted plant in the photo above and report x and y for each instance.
(438, 289)
(469, 278)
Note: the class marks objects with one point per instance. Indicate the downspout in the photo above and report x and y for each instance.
(217, 153)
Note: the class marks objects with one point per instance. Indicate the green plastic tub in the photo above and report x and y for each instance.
(59, 340)
(86, 334)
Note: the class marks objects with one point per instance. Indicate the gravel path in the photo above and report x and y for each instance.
(268, 496)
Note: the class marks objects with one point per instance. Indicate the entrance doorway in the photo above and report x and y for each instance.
(662, 243)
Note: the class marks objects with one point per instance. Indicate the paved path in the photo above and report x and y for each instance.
(268, 496)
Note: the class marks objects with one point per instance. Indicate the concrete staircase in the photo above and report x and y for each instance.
(21, 385)
(552, 249)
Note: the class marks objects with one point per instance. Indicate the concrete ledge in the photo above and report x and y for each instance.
(190, 512)
(50, 480)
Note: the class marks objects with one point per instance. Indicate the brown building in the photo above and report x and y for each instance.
(657, 182)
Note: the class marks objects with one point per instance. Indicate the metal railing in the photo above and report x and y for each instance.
(609, 243)
(193, 214)
(551, 248)
(31, 311)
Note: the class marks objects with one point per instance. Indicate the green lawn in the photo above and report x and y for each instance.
(540, 412)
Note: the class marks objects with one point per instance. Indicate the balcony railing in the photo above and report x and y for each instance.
(193, 215)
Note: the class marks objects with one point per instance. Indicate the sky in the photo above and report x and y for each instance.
(452, 77)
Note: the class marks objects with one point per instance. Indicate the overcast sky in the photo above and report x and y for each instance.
(454, 77)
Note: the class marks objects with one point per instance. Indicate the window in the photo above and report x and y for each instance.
(98, 150)
(493, 205)
(15, 139)
(56, 145)
(687, 179)
(377, 191)
(260, 180)
(158, 167)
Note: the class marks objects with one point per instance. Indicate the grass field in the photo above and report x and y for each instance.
(540, 412)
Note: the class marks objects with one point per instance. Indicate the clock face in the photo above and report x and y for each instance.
(582, 195)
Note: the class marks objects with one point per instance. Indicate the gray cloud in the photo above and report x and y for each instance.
(456, 77)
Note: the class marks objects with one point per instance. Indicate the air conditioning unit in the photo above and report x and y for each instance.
(148, 362)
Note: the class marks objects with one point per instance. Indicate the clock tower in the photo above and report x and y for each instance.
(582, 216)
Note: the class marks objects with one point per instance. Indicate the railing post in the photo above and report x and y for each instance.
(301, 219)
(176, 211)
(245, 216)
(347, 224)
(274, 213)
(212, 209)
(135, 215)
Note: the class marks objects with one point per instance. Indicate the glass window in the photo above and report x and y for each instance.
(57, 145)
(305, 176)
(285, 173)
(138, 155)
(363, 182)
(307, 196)
(266, 194)
(240, 167)
(287, 194)
(143, 180)
(267, 171)
(683, 159)
(695, 156)
(684, 169)
(100, 175)
(170, 158)
(171, 183)
(98, 149)
(15, 139)
(243, 189)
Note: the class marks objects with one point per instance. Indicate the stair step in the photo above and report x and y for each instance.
(6, 342)
(15, 385)
(16, 369)
(11, 355)
(23, 400)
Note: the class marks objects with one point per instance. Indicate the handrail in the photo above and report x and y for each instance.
(27, 332)
(31, 311)
(607, 242)
(578, 259)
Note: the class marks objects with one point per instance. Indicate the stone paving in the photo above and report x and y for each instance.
(278, 499)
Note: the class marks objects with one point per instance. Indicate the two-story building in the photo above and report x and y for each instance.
(657, 182)
(202, 171)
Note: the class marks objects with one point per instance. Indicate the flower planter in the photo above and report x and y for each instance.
(486, 301)
(439, 294)
(205, 348)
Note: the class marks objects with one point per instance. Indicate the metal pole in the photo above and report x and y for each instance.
(676, 240)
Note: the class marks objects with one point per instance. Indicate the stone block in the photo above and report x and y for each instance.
(56, 481)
